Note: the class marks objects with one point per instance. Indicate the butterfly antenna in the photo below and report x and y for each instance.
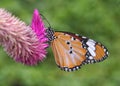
(46, 20)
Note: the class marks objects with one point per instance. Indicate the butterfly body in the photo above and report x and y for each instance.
(71, 51)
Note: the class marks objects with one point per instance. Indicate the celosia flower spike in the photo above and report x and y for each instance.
(38, 26)
(20, 41)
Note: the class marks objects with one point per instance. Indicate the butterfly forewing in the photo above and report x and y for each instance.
(68, 51)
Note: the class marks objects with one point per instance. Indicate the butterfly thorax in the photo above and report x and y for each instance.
(50, 34)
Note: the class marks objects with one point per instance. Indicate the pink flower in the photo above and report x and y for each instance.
(39, 28)
(20, 41)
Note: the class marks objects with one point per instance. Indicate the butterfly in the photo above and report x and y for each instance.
(71, 51)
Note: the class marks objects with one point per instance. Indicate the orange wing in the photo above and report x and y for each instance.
(68, 51)
(71, 50)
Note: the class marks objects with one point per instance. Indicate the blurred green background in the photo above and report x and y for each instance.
(96, 19)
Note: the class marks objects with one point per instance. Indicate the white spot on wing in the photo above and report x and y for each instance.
(66, 69)
(107, 52)
(72, 38)
(90, 43)
(77, 34)
(91, 40)
(92, 47)
(70, 70)
(74, 69)
(104, 50)
(90, 57)
(84, 37)
(77, 67)
(91, 51)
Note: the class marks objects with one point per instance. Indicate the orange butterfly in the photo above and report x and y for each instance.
(71, 51)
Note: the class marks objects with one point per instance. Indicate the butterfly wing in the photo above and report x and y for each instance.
(68, 52)
(71, 50)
